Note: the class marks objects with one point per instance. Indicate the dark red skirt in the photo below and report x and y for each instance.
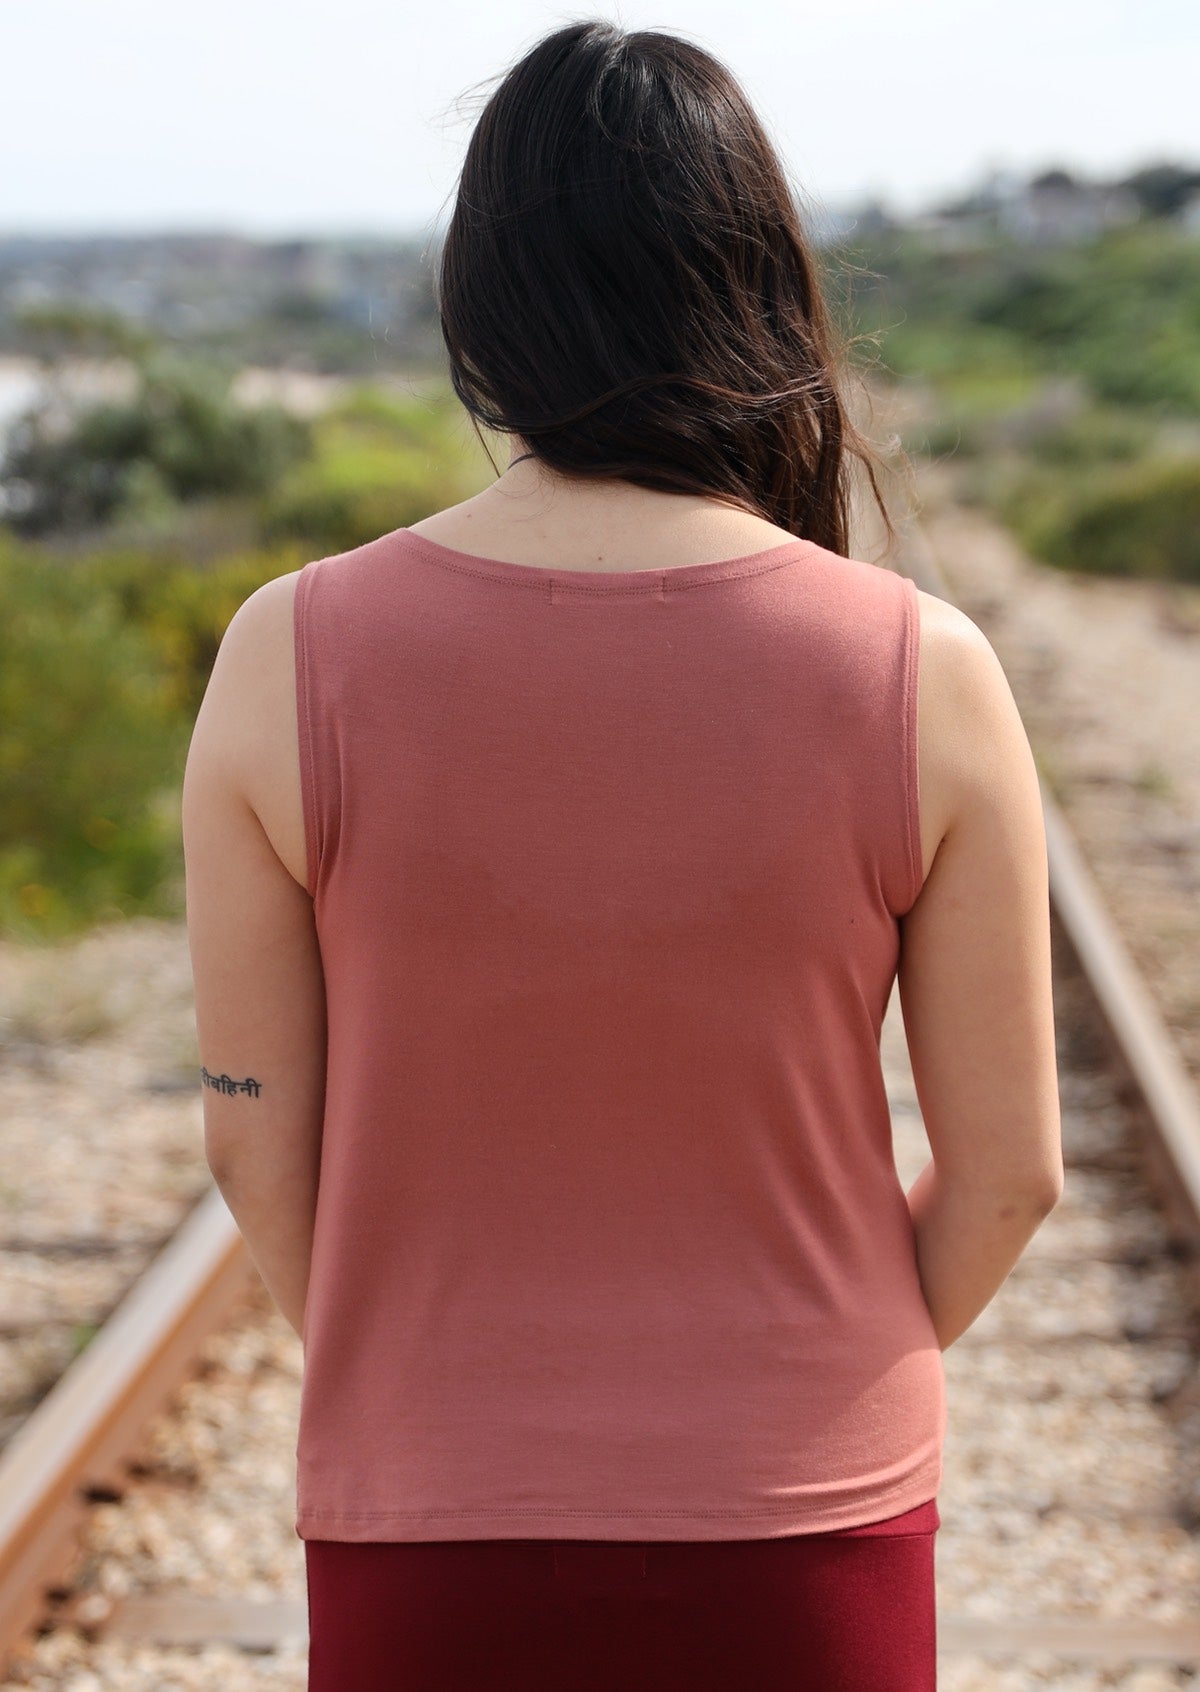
(852, 1610)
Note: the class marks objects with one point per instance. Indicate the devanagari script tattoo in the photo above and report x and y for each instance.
(226, 1083)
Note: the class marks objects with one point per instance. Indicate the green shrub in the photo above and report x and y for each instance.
(103, 663)
(181, 611)
(352, 494)
(179, 437)
(983, 367)
(1117, 310)
(1138, 520)
(979, 380)
(1098, 435)
(380, 462)
(91, 748)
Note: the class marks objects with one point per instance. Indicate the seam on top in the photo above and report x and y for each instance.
(488, 1515)
(304, 719)
(657, 585)
(912, 762)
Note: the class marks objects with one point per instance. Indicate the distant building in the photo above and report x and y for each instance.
(971, 219)
(1056, 206)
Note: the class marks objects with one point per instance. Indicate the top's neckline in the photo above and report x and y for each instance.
(651, 580)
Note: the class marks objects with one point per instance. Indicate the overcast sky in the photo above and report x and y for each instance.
(275, 119)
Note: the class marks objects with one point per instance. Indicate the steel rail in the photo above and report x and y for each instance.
(96, 1411)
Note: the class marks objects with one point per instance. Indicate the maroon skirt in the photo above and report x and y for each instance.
(852, 1610)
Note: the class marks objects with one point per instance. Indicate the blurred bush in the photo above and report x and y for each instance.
(90, 741)
(1095, 434)
(969, 411)
(1051, 427)
(1118, 310)
(379, 462)
(180, 611)
(103, 664)
(178, 437)
(1137, 519)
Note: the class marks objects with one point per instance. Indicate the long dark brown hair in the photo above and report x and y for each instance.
(627, 284)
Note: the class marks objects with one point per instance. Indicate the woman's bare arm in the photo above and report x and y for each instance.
(975, 983)
(256, 963)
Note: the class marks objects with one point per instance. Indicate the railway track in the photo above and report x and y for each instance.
(1069, 1555)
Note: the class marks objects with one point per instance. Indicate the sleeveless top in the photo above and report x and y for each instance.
(606, 870)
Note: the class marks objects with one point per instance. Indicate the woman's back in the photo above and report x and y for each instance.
(607, 867)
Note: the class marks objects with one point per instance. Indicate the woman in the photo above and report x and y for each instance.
(550, 863)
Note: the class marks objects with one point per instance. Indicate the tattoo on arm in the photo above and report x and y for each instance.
(226, 1083)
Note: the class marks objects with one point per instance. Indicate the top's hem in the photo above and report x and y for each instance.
(689, 1525)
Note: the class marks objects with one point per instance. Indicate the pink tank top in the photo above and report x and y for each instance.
(606, 870)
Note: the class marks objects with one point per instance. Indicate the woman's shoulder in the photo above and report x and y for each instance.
(960, 671)
(248, 715)
(972, 741)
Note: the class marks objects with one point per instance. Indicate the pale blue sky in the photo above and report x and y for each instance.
(275, 119)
